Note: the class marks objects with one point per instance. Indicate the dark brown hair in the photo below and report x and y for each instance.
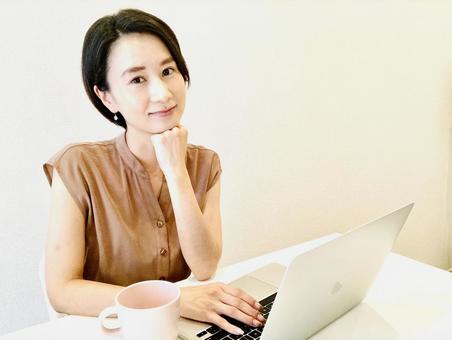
(103, 33)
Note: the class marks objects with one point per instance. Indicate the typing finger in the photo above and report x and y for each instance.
(222, 323)
(244, 307)
(242, 295)
(237, 314)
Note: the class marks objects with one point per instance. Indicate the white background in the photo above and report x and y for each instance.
(325, 115)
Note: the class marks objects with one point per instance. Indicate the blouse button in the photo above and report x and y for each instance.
(163, 251)
(160, 223)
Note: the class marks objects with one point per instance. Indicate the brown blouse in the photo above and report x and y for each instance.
(130, 234)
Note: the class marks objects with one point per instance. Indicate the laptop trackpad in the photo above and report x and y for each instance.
(262, 282)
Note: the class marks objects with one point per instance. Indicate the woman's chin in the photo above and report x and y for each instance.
(157, 130)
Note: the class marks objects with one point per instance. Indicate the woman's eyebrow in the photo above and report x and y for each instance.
(132, 70)
(167, 60)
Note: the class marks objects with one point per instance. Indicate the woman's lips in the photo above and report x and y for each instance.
(163, 113)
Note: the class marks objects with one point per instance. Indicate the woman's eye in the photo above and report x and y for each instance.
(168, 71)
(137, 80)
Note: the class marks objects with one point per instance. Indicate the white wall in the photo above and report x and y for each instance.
(325, 115)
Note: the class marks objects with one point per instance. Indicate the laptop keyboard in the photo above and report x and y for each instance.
(250, 333)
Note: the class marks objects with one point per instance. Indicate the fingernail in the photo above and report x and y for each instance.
(260, 318)
(258, 305)
(238, 331)
(257, 323)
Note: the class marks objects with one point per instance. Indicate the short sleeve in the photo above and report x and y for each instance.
(215, 171)
(71, 167)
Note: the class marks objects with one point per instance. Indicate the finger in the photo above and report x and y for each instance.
(242, 295)
(237, 314)
(222, 323)
(241, 305)
(181, 127)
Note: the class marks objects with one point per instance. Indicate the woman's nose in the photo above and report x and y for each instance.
(158, 91)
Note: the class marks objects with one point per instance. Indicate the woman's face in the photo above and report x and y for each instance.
(144, 84)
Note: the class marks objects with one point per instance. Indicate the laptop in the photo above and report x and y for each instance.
(316, 288)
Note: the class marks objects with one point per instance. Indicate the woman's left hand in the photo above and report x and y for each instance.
(170, 149)
(211, 302)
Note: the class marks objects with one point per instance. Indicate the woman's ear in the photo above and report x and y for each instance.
(106, 98)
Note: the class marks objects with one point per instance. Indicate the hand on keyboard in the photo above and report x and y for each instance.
(250, 333)
(209, 302)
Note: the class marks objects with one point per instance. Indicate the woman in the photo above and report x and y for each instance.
(144, 205)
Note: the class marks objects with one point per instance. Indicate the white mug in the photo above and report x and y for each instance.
(145, 310)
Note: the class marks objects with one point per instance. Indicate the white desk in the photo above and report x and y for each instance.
(409, 301)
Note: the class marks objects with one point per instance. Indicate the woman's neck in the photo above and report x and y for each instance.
(141, 146)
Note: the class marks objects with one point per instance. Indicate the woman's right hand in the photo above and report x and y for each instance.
(209, 302)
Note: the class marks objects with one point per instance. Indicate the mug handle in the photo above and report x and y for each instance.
(109, 325)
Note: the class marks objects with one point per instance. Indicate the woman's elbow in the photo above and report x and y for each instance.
(204, 275)
(56, 300)
(207, 271)
(58, 297)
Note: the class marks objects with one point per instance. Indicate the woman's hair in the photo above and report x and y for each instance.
(103, 33)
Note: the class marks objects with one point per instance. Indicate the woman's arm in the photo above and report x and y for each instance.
(199, 234)
(64, 259)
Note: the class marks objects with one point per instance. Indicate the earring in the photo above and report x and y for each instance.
(115, 117)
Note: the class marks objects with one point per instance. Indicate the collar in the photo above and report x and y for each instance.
(128, 157)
